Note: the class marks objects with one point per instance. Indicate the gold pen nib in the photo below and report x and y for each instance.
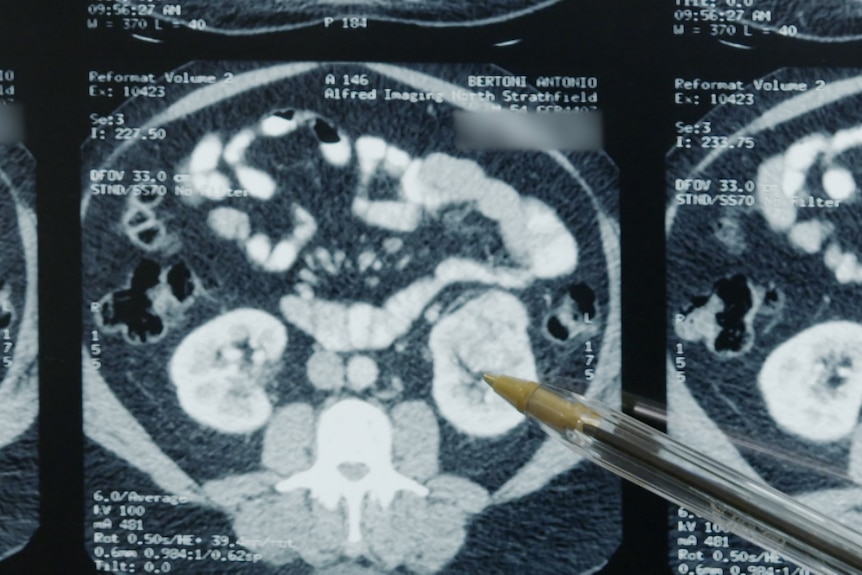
(515, 391)
(544, 404)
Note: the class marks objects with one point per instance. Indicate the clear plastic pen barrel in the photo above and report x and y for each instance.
(749, 508)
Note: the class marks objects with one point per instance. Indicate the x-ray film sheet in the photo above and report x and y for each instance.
(740, 23)
(244, 17)
(764, 324)
(294, 280)
(19, 404)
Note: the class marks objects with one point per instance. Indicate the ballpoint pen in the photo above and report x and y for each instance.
(655, 461)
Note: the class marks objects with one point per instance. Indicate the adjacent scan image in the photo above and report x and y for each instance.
(19, 489)
(825, 21)
(764, 283)
(294, 278)
(241, 17)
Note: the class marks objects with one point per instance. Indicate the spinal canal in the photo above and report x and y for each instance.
(354, 460)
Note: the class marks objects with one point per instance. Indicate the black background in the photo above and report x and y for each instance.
(628, 44)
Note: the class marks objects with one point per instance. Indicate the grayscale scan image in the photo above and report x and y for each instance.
(242, 17)
(764, 284)
(19, 487)
(813, 20)
(294, 280)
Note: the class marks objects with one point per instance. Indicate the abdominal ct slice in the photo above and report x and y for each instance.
(238, 17)
(19, 512)
(763, 284)
(348, 213)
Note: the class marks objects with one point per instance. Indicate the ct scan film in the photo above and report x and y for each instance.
(244, 17)
(737, 22)
(19, 489)
(295, 275)
(765, 328)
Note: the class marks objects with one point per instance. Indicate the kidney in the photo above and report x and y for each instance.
(221, 370)
(487, 334)
(812, 383)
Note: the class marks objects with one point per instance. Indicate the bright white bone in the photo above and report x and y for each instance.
(354, 461)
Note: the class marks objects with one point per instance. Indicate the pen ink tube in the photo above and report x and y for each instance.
(660, 464)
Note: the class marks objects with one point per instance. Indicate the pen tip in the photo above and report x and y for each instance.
(515, 391)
